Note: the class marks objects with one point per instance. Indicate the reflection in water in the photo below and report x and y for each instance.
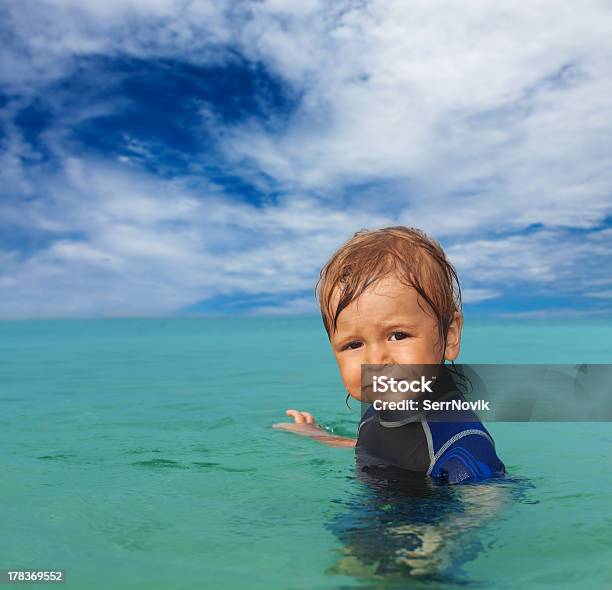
(405, 525)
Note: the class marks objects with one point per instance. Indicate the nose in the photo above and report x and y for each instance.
(379, 354)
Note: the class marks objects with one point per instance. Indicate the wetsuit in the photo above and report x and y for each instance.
(453, 446)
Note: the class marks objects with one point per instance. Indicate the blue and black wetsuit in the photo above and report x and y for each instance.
(452, 446)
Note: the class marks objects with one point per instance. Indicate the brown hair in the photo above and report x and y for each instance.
(408, 253)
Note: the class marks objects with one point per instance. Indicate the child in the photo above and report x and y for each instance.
(390, 297)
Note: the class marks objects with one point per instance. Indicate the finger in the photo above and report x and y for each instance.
(308, 417)
(297, 416)
(292, 426)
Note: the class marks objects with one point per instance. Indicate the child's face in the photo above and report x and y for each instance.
(385, 325)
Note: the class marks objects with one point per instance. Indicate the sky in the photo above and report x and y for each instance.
(166, 156)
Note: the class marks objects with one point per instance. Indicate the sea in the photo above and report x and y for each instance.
(139, 453)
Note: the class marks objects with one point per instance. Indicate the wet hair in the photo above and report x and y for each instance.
(407, 253)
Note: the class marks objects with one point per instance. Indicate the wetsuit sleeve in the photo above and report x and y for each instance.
(471, 458)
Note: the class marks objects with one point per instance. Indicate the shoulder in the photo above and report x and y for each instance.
(468, 454)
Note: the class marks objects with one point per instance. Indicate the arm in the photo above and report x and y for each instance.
(443, 545)
(304, 424)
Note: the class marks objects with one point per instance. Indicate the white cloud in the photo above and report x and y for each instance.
(295, 306)
(555, 262)
(48, 35)
(559, 313)
(481, 119)
(507, 105)
(478, 295)
(148, 246)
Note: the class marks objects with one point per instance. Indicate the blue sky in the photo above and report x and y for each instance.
(170, 156)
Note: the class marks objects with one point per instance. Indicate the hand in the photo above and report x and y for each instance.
(303, 423)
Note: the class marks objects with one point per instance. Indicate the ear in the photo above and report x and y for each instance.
(453, 340)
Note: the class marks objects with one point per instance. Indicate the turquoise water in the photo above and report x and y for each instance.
(139, 453)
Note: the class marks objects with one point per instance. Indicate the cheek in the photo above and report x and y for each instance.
(422, 352)
(350, 371)
(426, 349)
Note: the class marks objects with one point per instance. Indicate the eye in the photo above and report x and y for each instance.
(399, 336)
(352, 345)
